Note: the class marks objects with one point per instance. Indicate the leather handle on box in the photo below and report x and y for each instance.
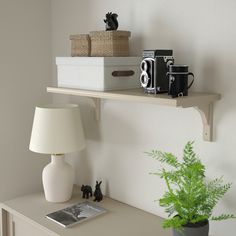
(122, 73)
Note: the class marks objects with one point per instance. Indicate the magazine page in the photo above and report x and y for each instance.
(75, 214)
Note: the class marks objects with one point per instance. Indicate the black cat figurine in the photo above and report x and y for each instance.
(87, 191)
(111, 21)
(98, 193)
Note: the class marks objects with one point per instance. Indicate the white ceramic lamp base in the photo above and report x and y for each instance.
(58, 179)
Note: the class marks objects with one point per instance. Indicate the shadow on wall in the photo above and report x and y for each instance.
(82, 166)
(92, 129)
(115, 125)
(136, 45)
(114, 128)
(228, 170)
(209, 74)
(212, 72)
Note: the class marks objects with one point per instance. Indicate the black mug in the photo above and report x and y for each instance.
(178, 80)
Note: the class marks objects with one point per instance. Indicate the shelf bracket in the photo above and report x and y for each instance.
(97, 104)
(206, 112)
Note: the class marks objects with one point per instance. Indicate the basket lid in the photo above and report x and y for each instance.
(79, 36)
(110, 34)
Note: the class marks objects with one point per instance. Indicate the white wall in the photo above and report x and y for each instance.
(25, 71)
(202, 35)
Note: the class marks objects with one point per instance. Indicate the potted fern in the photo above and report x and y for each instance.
(189, 199)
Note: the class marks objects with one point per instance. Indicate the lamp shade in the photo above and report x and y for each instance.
(57, 129)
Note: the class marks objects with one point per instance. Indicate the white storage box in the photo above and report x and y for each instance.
(98, 73)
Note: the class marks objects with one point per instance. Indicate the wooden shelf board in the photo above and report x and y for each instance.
(202, 102)
(137, 95)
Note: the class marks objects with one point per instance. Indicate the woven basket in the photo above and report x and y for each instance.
(110, 43)
(80, 45)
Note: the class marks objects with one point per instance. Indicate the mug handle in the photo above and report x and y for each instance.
(169, 77)
(190, 73)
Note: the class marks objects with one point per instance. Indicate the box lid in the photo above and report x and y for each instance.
(97, 61)
(110, 34)
(79, 36)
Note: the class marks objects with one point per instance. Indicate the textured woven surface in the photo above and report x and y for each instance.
(110, 43)
(80, 45)
(109, 34)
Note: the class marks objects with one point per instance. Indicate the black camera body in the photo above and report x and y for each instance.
(154, 68)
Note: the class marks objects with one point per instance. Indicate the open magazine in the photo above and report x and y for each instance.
(75, 214)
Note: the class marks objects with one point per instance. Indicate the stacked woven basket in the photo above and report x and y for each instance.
(101, 43)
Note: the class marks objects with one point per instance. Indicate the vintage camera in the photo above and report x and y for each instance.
(154, 68)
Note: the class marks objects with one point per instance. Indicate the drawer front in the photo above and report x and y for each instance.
(3, 222)
(19, 227)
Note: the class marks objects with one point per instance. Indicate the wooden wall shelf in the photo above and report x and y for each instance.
(202, 102)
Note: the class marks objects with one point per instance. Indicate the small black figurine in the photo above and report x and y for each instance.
(98, 193)
(111, 21)
(87, 191)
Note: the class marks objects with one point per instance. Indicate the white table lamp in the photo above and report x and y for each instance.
(57, 129)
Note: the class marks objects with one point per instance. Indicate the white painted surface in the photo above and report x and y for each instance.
(96, 73)
(58, 179)
(31, 210)
(22, 228)
(25, 69)
(202, 35)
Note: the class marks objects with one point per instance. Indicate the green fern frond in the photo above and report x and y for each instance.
(174, 222)
(188, 194)
(223, 217)
(164, 157)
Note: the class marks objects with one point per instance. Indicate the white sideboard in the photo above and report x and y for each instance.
(25, 216)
